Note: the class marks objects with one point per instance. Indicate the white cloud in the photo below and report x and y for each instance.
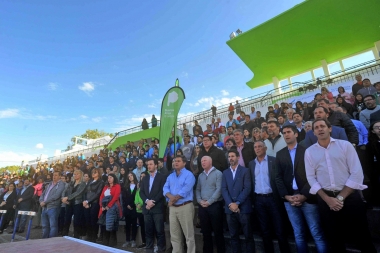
(9, 113)
(12, 158)
(151, 106)
(40, 146)
(184, 74)
(87, 87)
(52, 86)
(207, 102)
(225, 93)
(97, 119)
(83, 117)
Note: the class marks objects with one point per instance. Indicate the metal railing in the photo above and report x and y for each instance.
(263, 99)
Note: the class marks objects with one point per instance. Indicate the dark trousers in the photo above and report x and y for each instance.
(77, 211)
(269, 216)
(91, 219)
(140, 217)
(211, 221)
(61, 219)
(130, 221)
(154, 224)
(236, 221)
(351, 219)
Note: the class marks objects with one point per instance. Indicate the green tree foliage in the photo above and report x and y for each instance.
(12, 168)
(93, 134)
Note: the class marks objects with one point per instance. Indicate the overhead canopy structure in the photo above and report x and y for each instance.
(298, 39)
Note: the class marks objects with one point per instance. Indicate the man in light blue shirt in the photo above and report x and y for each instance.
(178, 191)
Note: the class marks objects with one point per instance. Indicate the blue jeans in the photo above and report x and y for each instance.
(309, 213)
(49, 219)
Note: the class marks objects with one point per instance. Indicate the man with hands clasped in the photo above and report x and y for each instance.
(236, 189)
(334, 173)
(210, 212)
(294, 189)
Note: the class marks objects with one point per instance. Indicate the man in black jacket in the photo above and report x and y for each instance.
(293, 187)
(151, 193)
(341, 120)
(24, 203)
(249, 124)
(219, 160)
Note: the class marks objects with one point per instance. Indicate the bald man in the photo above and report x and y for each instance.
(210, 212)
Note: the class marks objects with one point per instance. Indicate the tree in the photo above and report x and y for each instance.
(12, 168)
(93, 134)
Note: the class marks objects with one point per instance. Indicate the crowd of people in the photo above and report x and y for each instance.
(312, 167)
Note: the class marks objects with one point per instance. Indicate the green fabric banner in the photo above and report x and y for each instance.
(171, 104)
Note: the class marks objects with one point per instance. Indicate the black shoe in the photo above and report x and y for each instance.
(1, 231)
(141, 246)
(11, 232)
(20, 231)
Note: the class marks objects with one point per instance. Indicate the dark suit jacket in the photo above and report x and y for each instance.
(284, 174)
(272, 177)
(155, 194)
(374, 117)
(237, 190)
(27, 197)
(128, 197)
(336, 133)
(10, 202)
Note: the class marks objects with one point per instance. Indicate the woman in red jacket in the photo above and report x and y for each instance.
(110, 207)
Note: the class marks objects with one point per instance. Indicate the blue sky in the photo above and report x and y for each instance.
(68, 66)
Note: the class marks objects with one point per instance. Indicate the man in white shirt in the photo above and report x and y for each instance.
(334, 173)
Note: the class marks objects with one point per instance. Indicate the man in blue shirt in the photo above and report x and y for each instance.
(178, 191)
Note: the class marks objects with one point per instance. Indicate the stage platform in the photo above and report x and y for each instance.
(56, 245)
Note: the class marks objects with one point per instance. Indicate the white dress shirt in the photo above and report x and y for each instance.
(233, 172)
(262, 180)
(333, 167)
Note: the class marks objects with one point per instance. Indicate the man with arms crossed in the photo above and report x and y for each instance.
(153, 209)
(178, 190)
(334, 173)
(236, 188)
(293, 187)
(210, 213)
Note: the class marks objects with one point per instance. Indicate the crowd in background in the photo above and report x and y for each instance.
(272, 160)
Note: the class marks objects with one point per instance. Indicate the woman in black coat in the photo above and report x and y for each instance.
(7, 201)
(91, 204)
(129, 209)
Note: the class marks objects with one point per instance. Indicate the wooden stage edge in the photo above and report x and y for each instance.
(57, 244)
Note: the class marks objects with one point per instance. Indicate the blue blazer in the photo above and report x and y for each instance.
(237, 190)
(336, 133)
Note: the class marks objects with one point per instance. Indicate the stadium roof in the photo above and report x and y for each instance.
(298, 39)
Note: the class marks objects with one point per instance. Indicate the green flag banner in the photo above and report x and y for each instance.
(171, 104)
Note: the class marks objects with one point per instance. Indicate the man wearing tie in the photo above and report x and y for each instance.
(153, 209)
(236, 188)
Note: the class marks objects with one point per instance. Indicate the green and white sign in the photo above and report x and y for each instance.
(171, 104)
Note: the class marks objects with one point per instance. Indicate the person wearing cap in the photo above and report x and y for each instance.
(367, 88)
(365, 115)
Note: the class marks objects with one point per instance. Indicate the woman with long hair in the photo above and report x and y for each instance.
(129, 208)
(74, 205)
(7, 200)
(194, 160)
(342, 103)
(122, 175)
(247, 136)
(358, 105)
(140, 217)
(223, 133)
(326, 94)
(91, 204)
(256, 134)
(301, 110)
(345, 95)
(234, 126)
(111, 209)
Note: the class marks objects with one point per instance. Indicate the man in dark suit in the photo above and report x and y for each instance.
(293, 187)
(266, 200)
(337, 132)
(24, 203)
(151, 194)
(236, 188)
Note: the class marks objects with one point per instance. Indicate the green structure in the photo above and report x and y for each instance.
(301, 38)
